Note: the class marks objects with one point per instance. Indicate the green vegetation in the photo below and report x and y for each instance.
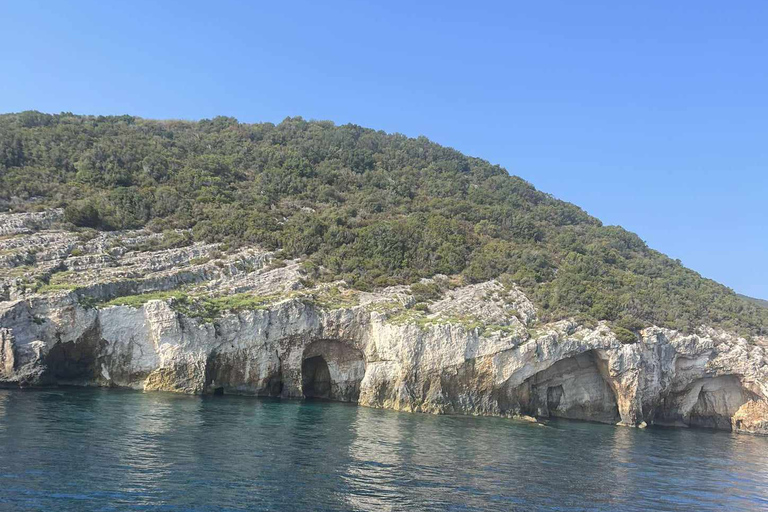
(371, 208)
(403, 316)
(426, 292)
(56, 281)
(624, 335)
(389, 306)
(204, 308)
(170, 239)
(418, 317)
(759, 302)
(504, 330)
(136, 301)
(47, 288)
(333, 298)
(210, 308)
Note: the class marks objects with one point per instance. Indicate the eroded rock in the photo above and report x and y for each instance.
(478, 349)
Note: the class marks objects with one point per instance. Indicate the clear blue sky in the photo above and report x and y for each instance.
(651, 115)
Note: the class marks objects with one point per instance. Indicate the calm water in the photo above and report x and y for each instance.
(84, 450)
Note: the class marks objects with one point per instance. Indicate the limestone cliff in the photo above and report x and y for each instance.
(477, 349)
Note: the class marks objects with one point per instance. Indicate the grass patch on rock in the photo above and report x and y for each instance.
(136, 301)
(204, 308)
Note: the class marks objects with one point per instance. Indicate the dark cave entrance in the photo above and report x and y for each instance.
(332, 369)
(77, 361)
(316, 378)
(709, 402)
(574, 388)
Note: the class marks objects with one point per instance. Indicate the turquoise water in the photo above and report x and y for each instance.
(108, 450)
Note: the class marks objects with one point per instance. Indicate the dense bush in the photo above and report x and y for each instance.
(82, 214)
(372, 208)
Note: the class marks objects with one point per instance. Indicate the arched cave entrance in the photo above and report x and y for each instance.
(709, 402)
(574, 388)
(316, 378)
(332, 369)
(76, 362)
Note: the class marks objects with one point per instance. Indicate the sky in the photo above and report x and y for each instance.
(651, 115)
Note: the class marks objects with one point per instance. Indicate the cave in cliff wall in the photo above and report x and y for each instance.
(77, 361)
(244, 371)
(573, 388)
(325, 368)
(315, 378)
(332, 370)
(710, 402)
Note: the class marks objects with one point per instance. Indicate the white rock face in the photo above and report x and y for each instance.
(18, 223)
(478, 350)
(356, 354)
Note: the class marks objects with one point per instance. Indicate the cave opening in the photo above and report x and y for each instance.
(76, 361)
(316, 378)
(572, 388)
(332, 369)
(709, 402)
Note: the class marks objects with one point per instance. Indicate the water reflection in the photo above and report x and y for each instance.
(373, 476)
(141, 434)
(4, 397)
(112, 450)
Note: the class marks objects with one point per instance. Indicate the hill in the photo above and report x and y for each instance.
(371, 208)
(759, 302)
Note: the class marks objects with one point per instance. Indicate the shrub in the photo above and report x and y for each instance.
(624, 336)
(82, 214)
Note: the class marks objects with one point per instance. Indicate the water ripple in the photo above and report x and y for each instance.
(107, 450)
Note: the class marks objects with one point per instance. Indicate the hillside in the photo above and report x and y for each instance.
(371, 208)
(759, 302)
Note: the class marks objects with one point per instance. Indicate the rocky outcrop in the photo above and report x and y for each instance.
(751, 418)
(19, 223)
(295, 348)
(478, 349)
